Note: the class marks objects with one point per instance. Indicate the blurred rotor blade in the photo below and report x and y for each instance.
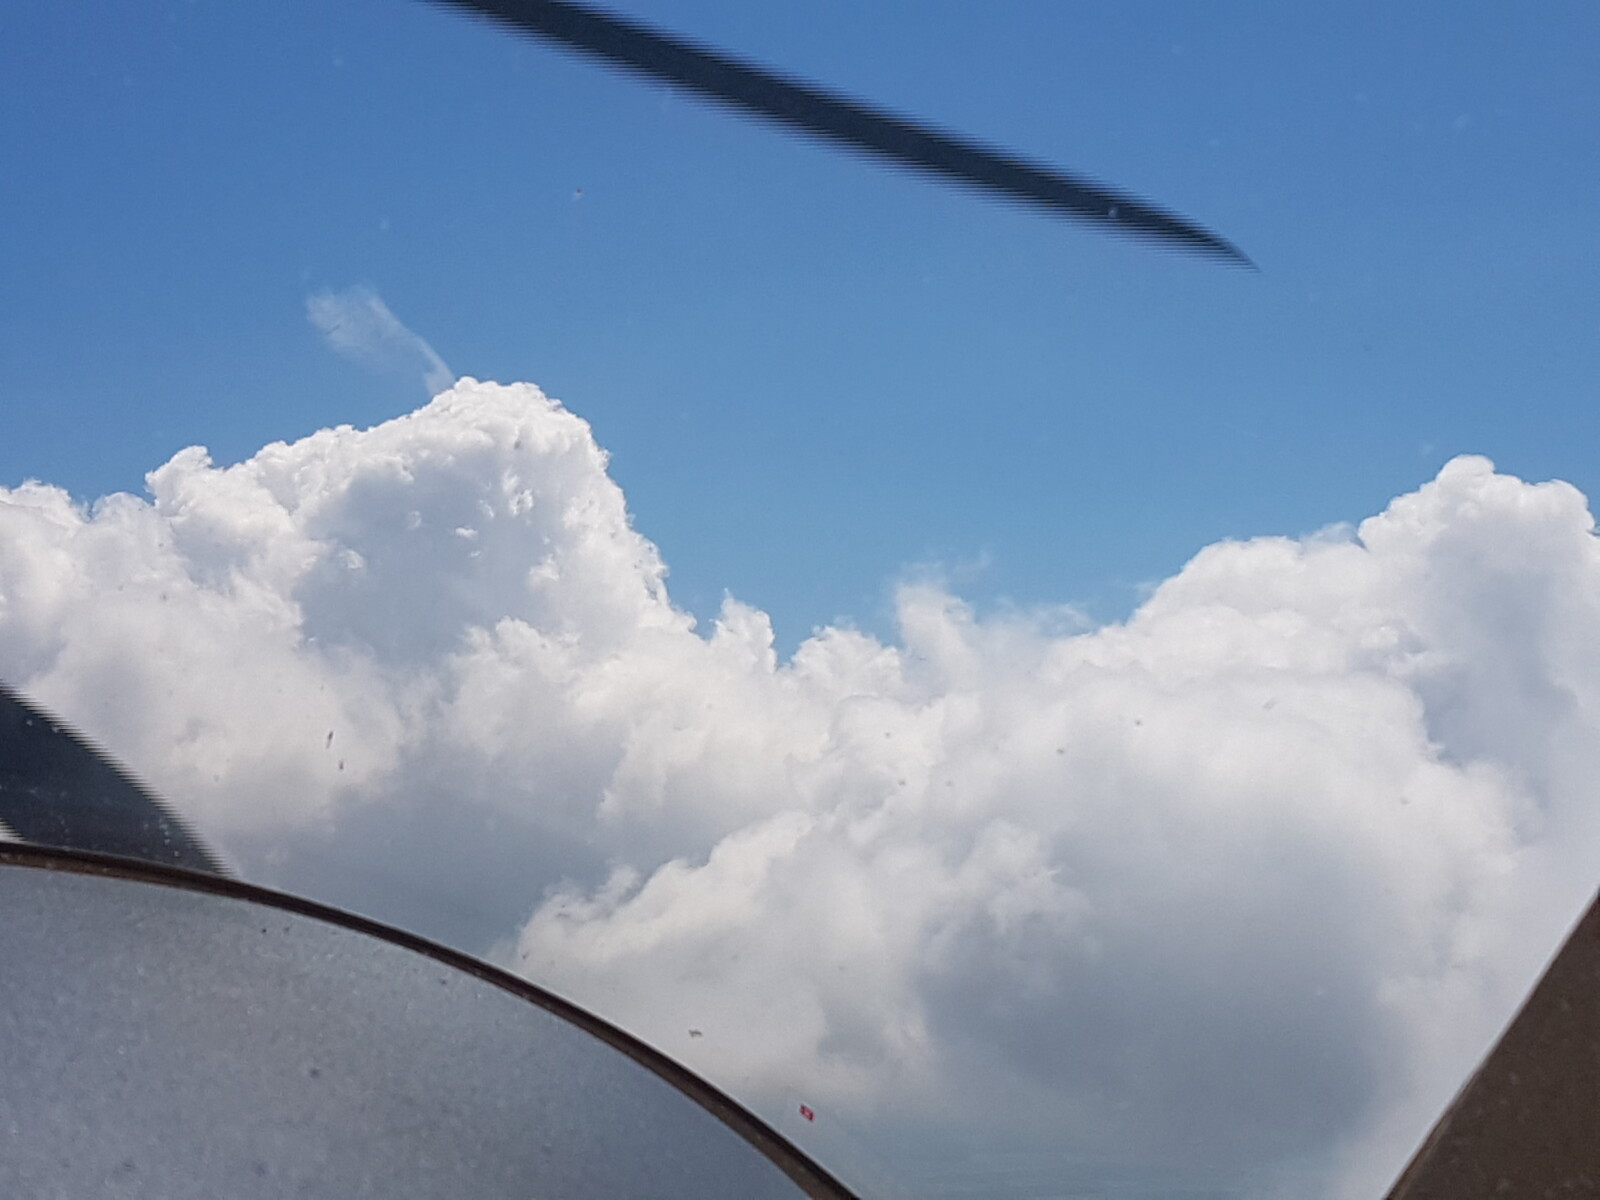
(1528, 1121)
(811, 109)
(57, 788)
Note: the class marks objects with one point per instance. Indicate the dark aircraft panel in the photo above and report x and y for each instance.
(57, 788)
(172, 1038)
(1528, 1121)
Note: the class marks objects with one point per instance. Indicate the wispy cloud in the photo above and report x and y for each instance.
(358, 324)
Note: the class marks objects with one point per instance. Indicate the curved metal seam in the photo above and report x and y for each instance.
(805, 1173)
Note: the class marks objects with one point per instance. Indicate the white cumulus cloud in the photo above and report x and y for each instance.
(358, 324)
(1237, 888)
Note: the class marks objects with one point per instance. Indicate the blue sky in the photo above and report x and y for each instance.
(815, 373)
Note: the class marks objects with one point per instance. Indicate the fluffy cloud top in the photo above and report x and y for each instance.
(1239, 889)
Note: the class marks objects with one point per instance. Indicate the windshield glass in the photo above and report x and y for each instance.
(1117, 723)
